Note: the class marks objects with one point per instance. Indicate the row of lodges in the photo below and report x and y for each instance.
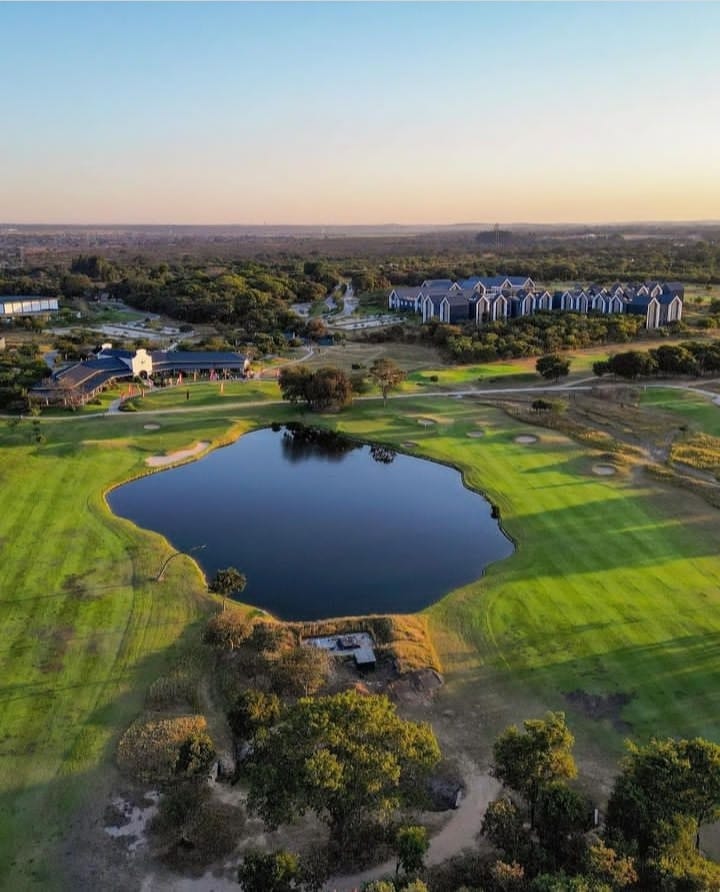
(75, 384)
(16, 306)
(483, 299)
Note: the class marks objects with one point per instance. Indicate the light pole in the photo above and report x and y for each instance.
(159, 577)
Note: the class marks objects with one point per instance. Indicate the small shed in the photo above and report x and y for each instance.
(358, 645)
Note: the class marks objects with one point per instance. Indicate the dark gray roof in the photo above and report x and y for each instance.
(196, 359)
(456, 298)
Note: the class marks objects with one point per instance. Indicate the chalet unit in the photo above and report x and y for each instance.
(79, 382)
(483, 299)
(16, 306)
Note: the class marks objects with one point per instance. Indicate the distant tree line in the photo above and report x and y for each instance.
(536, 335)
(694, 358)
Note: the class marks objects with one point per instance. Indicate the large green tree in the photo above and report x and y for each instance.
(553, 367)
(349, 758)
(663, 779)
(529, 761)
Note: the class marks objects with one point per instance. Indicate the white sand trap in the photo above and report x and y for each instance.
(151, 427)
(526, 439)
(426, 422)
(157, 461)
(475, 434)
(409, 444)
(603, 470)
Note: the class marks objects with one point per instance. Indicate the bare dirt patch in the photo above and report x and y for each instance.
(159, 461)
(129, 822)
(526, 439)
(603, 470)
(602, 707)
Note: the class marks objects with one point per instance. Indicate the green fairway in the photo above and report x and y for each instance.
(615, 588)
(84, 627)
(699, 411)
(206, 393)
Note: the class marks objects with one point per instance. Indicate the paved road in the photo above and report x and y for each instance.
(475, 391)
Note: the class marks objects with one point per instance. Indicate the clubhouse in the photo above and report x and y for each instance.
(79, 382)
(483, 299)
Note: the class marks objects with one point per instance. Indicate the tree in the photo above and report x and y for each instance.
(325, 388)
(562, 815)
(271, 872)
(411, 845)
(301, 671)
(604, 865)
(552, 367)
(601, 367)
(349, 758)
(253, 711)
(632, 364)
(503, 827)
(529, 761)
(387, 375)
(663, 779)
(229, 581)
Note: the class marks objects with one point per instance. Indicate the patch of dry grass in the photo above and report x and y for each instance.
(700, 451)
(150, 748)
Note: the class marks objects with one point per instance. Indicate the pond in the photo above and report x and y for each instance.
(322, 526)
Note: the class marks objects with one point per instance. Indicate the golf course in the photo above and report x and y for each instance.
(608, 609)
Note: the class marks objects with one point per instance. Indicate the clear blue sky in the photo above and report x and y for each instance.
(359, 112)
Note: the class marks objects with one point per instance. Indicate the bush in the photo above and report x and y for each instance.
(160, 750)
(192, 827)
(228, 629)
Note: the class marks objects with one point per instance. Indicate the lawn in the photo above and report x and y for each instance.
(84, 628)
(614, 589)
(698, 411)
(205, 393)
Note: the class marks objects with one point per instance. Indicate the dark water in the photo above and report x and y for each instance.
(323, 528)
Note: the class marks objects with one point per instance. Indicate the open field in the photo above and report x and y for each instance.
(612, 596)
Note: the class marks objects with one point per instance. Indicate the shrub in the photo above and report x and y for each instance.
(193, 827)
(158, 750)
(228, 629)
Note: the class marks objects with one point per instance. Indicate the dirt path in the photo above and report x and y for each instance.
(459, 833)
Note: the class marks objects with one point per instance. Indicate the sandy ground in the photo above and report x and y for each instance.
(603, 470)
(158, 461)
(526, 439)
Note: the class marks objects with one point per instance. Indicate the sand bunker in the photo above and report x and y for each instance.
(526, 439)
(409, 444)
(603, 470)
(425, 422)
(151, 427)
(475, 434)
(157, 461)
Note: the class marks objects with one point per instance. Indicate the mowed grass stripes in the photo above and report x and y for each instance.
(614, 588)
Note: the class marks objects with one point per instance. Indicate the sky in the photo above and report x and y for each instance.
(347, 113)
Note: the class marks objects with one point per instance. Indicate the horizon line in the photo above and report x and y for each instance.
(468, 224)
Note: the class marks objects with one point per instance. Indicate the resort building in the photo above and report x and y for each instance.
(483, 299)
(79, 382)
(16, 306)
